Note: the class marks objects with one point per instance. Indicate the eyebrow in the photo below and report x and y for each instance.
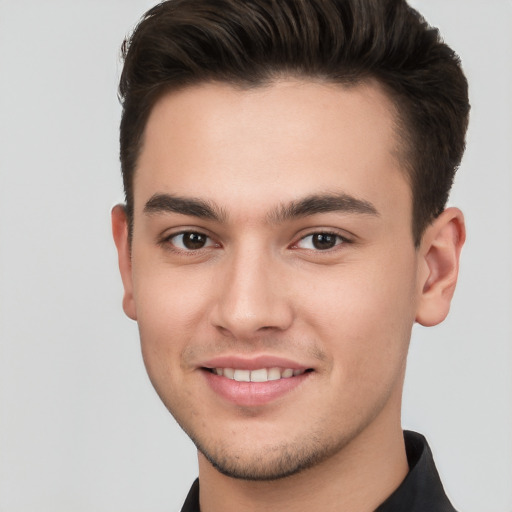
(322, 203)
(310, 205)
(167, 203)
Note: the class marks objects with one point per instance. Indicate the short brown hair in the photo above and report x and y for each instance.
(253, 42)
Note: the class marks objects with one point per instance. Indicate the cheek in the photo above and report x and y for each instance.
(365, 316)
(169, 299)
(167, 322)
(170, 312)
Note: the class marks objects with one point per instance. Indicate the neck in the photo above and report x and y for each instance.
(358, 478)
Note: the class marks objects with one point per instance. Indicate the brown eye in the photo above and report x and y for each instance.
(191, 241)
(324, 241)
(320, 241)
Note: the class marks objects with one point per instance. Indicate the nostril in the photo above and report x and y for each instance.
(225, 331)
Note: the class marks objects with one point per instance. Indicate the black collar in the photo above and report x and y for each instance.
(421, 491)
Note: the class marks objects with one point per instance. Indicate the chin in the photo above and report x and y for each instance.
(268, 462)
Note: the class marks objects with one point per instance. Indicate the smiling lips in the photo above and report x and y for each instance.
(254, 383)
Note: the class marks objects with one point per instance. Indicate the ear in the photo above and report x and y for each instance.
(120, 233)
(439, 254)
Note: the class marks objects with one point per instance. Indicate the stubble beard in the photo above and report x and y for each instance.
(271, 463)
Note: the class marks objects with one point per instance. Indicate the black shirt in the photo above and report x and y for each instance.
(421, 491)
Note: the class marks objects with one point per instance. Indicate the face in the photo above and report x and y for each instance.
(273, 273)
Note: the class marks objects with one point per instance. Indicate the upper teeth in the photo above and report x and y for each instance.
(260, 375)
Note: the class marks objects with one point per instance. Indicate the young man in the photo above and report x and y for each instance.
(286, 167)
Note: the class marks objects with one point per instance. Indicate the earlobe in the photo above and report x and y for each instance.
(439, 259)
(120, 233)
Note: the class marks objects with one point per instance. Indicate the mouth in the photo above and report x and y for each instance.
(258, 375)
(256, 382)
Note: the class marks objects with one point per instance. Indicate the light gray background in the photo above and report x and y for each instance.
(80, 427)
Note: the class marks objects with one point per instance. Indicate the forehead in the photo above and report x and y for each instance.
(280, 141)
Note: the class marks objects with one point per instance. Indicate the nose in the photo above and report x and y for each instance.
(252, 297)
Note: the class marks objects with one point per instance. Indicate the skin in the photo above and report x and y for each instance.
(260, 287)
